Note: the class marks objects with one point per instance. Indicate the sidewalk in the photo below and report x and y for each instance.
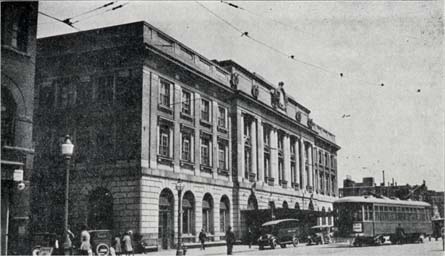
(216, 250)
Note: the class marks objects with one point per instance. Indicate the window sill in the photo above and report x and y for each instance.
(165, 109)
(187, 164)
(205, 123)
(223, 172)
(206, 168)
(186, 116)
(165, 160)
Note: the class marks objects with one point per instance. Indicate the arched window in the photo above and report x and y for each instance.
(207, 213)
(252, 203)
(9, 108)
(188, 216)
(285, 205)
(224, 213)
(297, 206)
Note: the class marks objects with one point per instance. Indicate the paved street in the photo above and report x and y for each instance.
(433, 248)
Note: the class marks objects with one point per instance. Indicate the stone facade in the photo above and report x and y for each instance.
(146, 111)
(19, 28)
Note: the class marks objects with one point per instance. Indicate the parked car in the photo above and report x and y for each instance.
(320, 234)
(101, 241)
(279, 232)
(44, 244)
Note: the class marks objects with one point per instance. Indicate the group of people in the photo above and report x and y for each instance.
(120, 244)
(230, 239)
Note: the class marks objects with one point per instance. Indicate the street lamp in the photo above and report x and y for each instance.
(67, 149)
(179, 187)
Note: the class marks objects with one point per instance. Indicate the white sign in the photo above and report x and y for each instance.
(18, 175)
(357, 227)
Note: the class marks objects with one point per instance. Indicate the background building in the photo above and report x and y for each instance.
(19, 24)
(144, 111)
(391, 190)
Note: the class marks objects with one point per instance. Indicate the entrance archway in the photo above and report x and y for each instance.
(166, 219)
(100, 215)
(252, 203)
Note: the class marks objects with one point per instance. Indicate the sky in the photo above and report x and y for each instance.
(343, 51)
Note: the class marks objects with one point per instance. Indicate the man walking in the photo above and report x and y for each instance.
(202, 239)
(230, 240)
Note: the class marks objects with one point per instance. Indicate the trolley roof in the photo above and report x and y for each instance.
(274, 222)
(384, 200)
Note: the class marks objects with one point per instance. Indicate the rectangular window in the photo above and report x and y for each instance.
(15, 25)
(205, 151)
(292, 147)
(247, 162)
(280, 170)
(266, 167)
(222, 159)
(164, 141)
(186, 103)
(205, 110)
(186, 147)
(266, 137)
(164, 94)
(280, 142)
(222, 117)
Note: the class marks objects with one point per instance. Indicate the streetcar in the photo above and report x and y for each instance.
(381, 220)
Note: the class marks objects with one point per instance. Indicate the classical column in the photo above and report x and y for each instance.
(240, 143)
(197, 139)
(274, 154)
(214, 150)
(297, 162)
(253, 140)
(311, 170)
(154, 91)
(177, 132)
(303, 165)
(260, 165)
(286, 149)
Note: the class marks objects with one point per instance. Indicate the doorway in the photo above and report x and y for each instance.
(166, 229)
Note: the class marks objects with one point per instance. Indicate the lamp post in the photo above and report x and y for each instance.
(179, 187)
(67, 149)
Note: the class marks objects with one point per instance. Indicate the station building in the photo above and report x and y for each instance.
(145, 111)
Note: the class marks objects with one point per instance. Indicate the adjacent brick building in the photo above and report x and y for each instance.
(144, 111)
(19, 27)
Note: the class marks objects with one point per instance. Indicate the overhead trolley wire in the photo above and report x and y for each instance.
(292, 57)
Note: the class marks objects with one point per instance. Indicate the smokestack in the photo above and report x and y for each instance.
(383, 172)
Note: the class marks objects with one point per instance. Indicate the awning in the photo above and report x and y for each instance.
(163, 201)
(186, 203)
(222, 206)
(205, 204)
(6, 162)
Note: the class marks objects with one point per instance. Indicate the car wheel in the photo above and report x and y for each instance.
(36, 251)
(273, 244)
(295, 241)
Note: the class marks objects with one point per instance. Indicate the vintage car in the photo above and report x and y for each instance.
(101, 241)
(279, 232)
(44, 244)
(320, 234)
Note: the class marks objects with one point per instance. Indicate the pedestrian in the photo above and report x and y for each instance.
(202, 239)
(249, 237)
(112, 248)
(230, 240)
(127, 244)
(68, 243)
(117, 244)
(85, 245)
(400, 235)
